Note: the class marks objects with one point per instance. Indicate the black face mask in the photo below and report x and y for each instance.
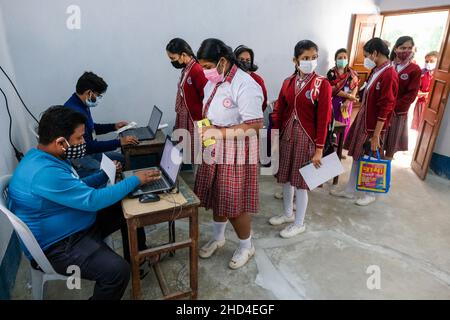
(178, 65)
(246, 65)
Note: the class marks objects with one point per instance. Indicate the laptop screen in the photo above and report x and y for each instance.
(155, 119)
(171, 160)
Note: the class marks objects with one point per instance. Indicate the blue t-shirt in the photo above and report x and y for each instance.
(49, 197)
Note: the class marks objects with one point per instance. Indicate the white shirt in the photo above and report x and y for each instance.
(235, 102)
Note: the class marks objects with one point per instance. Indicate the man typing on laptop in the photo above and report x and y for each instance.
(89, 91)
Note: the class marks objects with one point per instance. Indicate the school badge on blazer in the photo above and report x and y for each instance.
(404, 76)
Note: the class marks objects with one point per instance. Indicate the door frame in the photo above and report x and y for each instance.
(443, 47)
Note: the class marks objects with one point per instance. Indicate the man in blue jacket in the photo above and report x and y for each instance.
(69, 216)
(89, 91)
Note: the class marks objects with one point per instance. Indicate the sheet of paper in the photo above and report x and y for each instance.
(331, 167)
(128, 126)
(109, 167)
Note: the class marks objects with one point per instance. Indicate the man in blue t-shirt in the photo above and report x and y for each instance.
(89, 91)
(69, 216)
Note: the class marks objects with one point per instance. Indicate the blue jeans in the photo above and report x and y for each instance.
(90, 163)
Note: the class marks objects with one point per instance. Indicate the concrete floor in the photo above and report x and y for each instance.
(406, 234)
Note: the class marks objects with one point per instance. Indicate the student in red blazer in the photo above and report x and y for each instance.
(409, 74)
(425, 85)
(189, 100)
(302, 114)
(368, 129)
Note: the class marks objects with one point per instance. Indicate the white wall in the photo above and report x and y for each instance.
(124, 41)
(390, 5)
(7, 158)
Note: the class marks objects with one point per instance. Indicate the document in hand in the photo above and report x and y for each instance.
(331, 167)
(109, 167)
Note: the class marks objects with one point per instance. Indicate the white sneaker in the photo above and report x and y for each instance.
(365, 200)
(277, 220)
(292, 230)
(210, 247)
(278, 195)
(241, 257)
(342, 194)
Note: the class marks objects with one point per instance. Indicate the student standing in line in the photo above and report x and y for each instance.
(232, 104)
(425, 85)
(302, 114)
(189, 100)
(408, 86)
(344, 82)
(246, 57)
(367, 131)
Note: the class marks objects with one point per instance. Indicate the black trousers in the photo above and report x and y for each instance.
(98, 262)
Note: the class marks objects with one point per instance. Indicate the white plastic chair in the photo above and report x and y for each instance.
(38, 277)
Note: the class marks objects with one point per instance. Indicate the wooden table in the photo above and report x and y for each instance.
(187, 210)
(339, 129)
(147, 147)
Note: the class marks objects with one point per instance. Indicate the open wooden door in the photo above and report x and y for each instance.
(365, 27)
(434, 111)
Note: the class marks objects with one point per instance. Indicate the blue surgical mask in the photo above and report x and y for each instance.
(92, 104)
(341, 63)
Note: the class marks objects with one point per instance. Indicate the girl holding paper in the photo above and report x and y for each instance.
(302, 113)
(367, 131)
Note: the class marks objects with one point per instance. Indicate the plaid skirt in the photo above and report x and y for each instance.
(357, 136)
(296, 150)
(397, 135)
(184, 120)
(417, 115)
(229, 185)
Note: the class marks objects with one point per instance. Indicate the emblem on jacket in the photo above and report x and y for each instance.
(189, 80)
(404, 76)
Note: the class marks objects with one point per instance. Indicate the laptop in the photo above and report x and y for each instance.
(169, 166)
(148, 132)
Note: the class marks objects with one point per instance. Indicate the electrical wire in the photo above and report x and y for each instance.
(19, 155)
(18, 94)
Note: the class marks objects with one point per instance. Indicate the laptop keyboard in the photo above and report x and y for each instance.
(140, 133)
(154, 185)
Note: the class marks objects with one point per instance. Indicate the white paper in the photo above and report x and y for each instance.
(162, 126)
(330, 168)
(109, 167)
(128, 126)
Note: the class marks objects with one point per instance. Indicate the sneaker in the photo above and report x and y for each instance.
(241, 257)
(277, 220)
(292, 230)
(342, 194)
(365, 200)
(210, 247)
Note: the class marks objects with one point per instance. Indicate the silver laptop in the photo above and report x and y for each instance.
(148, 132)
(169, 166)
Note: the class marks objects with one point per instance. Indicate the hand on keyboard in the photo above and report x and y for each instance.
(129, 140)
(147, 176)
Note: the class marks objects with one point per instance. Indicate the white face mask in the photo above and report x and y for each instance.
(369, 63)
(307, 66)
(430, 66)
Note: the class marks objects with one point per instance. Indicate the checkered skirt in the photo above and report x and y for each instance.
(229, 186)
(184, 120)
(357, 136)
(296, 150)
(397, 134)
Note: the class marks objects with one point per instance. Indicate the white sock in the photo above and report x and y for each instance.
(219, 230)
(351, 184)
(246, 243)
(301, 199)
(288, 199)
